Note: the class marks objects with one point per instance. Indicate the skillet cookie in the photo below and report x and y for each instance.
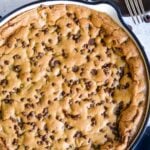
(70, 79)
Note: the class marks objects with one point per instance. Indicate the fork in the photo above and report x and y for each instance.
(136, 10)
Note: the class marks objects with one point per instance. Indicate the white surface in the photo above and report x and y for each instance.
(142, 31)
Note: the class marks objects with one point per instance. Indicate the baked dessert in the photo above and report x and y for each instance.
(70, 79)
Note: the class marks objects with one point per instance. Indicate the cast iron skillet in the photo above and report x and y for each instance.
(119, 20)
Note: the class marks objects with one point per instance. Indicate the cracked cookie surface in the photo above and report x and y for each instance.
(70, 78)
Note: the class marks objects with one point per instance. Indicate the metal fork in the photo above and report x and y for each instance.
(136, 10)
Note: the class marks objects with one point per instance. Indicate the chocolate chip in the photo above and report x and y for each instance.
(66, 139)
(85, 46)
(45, 31)
(108, 52)
(69, 14)
(126, 85)
(46, 128)
(98, 88)
(94, 72)
(40, 142)
(17, 68)
(52, 137)
(29, 105)
(140, 103)
(31, 114)
(17, 90)
(76, 20)
(123, 57)
(106, 68)
(44, 138)
(29, 79)
(78, 134)
(75, 68)
(39, 116)
(29, 100)
(95, 146)
(93, 121)
(43, 43)
(88, 58)
(123, 86)
(63, 93)
(108, 138)
(54, 63)
(108, 65)
(33, 60)
(12, 119)
(45, 111)
(57, 29)
(91, 42)
(105, 108)
(98, 57)
(118, 109)
(50, 40)
(6, 62)
(8, 101)
(65, 113)
(129, 74)
(102, 30)
(59, 118)
(110, 91)
(53, 131)
(21, 124)
(24, 44)
(57, 63)
(75, 116)
(64, 54)
(70, 35)
(68, 126)
(4, 82)
(15, 142)
(53, 84)
(88, 85)
(40, 55)
(59, 39)
(104, 114)
(68, 25)
(76, 37)
(16, 56)
(103, 42)
(24, 113)
(114, 127)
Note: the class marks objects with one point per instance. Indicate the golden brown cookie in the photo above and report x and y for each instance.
(70, 78)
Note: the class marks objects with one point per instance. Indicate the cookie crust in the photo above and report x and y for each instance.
(70, 78)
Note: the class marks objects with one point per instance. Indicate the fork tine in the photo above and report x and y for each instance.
(138, 9)
(130, 10)
(141, 6)
(134, 10)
